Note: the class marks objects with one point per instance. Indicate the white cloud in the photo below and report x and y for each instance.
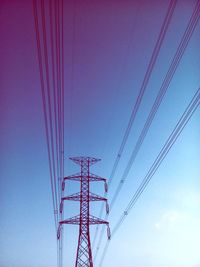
(170, 219)
(185, 213)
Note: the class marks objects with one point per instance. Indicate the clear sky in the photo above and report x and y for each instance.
(112, 46)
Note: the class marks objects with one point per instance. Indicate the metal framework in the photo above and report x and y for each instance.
(84, 219)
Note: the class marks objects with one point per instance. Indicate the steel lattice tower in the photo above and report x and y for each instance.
(84, 219)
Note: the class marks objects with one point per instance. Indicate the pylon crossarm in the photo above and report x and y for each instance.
(74, 197)
(77, 196)
(74, 177)
(95, 220)
(94, 178)
(72, 220)
(79, 160)
(94, 197)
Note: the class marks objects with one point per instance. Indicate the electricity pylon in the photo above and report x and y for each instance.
(84, 219)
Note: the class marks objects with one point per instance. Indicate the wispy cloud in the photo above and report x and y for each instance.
(169, 219)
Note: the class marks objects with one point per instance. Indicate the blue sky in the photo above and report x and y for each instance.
(112, 47)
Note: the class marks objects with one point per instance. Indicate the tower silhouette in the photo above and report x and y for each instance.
(84, 219)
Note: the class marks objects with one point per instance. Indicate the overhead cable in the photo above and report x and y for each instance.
(166, 82)
(179, 127)
(45, 110)
(142, 90)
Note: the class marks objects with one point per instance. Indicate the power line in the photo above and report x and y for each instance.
(39, 50)
(73, 48)
(52, 38)
(171, 71)
(59, 38)
(147, 76)
(46, 60)
(186, 116)
(52, 93)
(143, 87)
(163, 89)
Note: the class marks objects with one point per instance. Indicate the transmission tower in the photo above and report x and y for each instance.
(84, 219)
